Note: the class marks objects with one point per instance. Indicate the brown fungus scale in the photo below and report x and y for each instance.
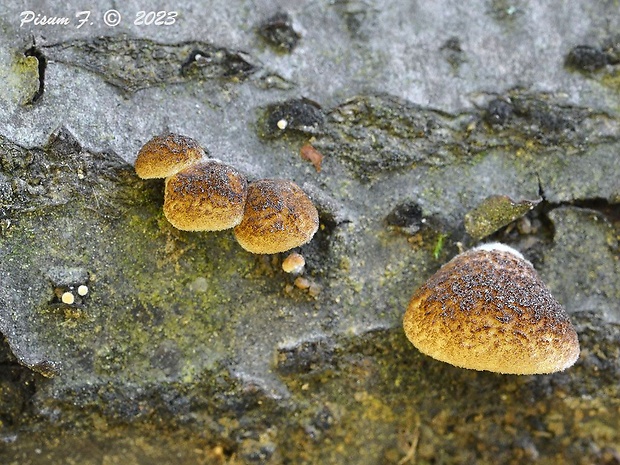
(487, 309)
(278, 217)
(207, 196)
(166, 155)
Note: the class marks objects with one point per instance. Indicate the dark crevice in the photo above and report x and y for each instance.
(191, 60)
(34, 51)
(531, 234)
(537, 223)
(17, 389)
(541, 190)
(609, 210)
(547, 228)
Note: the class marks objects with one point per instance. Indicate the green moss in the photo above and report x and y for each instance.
(612, 80)
(439, 246)
(23, 79)
(494, 213)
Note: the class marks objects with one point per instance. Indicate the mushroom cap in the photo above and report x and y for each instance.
(487, 309)
(294, 263)
(207, 196)
(278, 217)
(166, 155)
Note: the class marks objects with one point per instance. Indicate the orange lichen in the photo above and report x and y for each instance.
(311, 154)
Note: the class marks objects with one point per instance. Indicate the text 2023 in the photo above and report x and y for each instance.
(155, 18)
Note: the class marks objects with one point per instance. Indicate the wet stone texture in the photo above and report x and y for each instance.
(180, 347)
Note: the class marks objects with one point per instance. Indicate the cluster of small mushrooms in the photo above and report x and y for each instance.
(202, 194)
(487, 309)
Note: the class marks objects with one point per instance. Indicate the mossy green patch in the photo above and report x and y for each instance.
(494, 213)
(23, 79)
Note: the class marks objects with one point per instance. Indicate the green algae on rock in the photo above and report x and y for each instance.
(22, 80)
(493, 213)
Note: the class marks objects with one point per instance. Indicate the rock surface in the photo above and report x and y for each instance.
(187, 349)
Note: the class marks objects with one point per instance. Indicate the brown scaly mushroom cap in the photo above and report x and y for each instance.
(487, 309)
(207, 196)
(278, 217)
(166, 155)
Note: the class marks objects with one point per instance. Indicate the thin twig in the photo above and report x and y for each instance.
(411, 452)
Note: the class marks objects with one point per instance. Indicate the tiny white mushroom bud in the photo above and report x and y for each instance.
(67, 298)
(282, 124)
(294, 263)
(82, 290)
(302, 283)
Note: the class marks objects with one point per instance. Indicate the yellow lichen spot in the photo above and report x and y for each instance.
(22, 80)
(375, 409)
